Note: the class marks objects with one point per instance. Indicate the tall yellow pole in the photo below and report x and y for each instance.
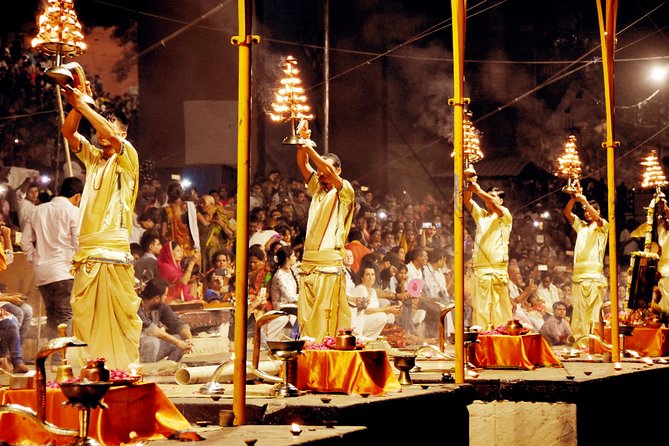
(607, 31)
(458, 9)
(243, 41)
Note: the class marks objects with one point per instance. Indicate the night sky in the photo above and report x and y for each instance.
(533, 70)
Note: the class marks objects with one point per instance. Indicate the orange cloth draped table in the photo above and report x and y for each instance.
(517, 352)
(140, 408)
(346, 371)
(644, 340)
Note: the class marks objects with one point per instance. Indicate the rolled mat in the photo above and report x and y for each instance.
(202, 374)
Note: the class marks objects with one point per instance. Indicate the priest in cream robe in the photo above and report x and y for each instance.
(104, 302)
(589, 284)
(322, 306)
(490, 258)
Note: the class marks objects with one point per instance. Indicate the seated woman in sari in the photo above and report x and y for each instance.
(169, 268)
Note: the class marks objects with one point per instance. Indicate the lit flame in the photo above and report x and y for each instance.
(290, 101)
(295, 427)
(653, 176)
(59, 30)
(471, 142)
(569, 164)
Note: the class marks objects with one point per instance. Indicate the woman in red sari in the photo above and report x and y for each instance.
(169, 268)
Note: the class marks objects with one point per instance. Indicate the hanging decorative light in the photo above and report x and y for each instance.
(653, 176)
(471, 145)
(59, 36)
(291, 102)
(569, 165)
(59, 30)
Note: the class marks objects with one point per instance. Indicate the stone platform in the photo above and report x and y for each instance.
(584, 402)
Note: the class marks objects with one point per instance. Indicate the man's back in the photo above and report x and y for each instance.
(50, 240)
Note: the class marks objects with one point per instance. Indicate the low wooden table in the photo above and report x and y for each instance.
(644, 340)
(515, 352)
(141, 408)
(346, 371)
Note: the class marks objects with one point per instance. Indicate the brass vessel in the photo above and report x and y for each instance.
(345, 340)
(404, 363)
(514, 327)
(64, 371)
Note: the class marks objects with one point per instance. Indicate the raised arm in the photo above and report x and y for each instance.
(489, 201)
(307, 151)
(568, 209)
(105, 130)
(303, 163)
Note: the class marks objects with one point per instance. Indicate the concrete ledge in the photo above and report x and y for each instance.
(278, 435)
(414, 413)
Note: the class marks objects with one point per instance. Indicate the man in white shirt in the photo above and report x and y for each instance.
(519, 293)
(548, 291)
(26, 201)
(415, 260)
(50, 240)
(436, 291)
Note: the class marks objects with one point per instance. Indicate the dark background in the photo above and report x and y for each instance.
(533, 74)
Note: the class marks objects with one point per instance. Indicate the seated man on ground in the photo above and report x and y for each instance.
(11, 356)
(11, 316)
(163, 333)
(556, 328)
(16, 304)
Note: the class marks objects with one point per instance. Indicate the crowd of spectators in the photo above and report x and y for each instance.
(389, 232)
(392, 228)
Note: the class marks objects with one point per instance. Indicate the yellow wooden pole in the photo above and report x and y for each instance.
(607, 31)
(458, 9)
(243, 41)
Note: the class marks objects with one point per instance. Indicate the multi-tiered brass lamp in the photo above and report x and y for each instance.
(290, 101)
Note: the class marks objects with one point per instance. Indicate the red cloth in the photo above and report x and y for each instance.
(515, 352)
(136, 412)
(644, 340)
(346, 371)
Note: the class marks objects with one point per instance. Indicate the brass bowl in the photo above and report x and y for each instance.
(626, 330)
(404, 362)
(88, 394)
(471, 336)
(289, 346)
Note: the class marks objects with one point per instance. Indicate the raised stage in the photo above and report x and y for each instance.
(580, 403)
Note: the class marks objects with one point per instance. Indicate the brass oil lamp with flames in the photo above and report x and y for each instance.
(569, 165)
(290, 101)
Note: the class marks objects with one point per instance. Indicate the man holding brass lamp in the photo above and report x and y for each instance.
(589, 283)
(322, 302)
(104, 302)
(490, 259)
